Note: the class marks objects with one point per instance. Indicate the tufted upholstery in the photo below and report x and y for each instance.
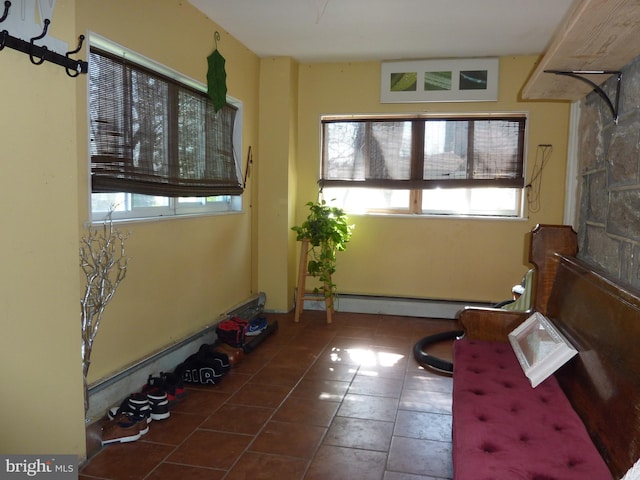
(505, 430)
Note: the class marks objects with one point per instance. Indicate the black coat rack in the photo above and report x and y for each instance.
(38, 54)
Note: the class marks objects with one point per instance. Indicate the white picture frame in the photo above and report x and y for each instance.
(441, 80)
(540, 348)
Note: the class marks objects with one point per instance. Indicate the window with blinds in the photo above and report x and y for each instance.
(425, 164)
(152, 135)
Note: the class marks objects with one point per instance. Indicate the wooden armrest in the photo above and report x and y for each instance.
(492, 324)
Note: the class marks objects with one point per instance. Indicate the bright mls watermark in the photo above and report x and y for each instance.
(51, 467)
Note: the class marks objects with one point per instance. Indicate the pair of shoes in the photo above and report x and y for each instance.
(205, 367)
(123, 428)
(151, 404)
(167, 383)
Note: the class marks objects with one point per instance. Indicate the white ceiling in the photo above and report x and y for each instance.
(353, 30)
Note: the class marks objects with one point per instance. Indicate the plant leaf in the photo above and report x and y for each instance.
(328, 231)
(216, 80)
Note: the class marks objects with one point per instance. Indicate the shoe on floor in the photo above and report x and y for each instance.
(208, 354)
(203, 367)
(158, 399)
(174, 386)
(123, 429)
(136, 404)
(256, 326)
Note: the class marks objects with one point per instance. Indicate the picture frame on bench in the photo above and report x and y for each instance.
(540, 348)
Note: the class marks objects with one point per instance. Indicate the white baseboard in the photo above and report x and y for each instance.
(410, 307)
(110, 391)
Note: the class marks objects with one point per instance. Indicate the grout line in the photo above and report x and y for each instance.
(287, 396)
(329, 342)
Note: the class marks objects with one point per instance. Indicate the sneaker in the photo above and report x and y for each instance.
(169, 383)
(143, 424)
(136, 404)
(174, 386)
(157, 396)
(209, 355)
(158, 403)
(222, 359)
(203, 367)
(122, 429)
(256, 326)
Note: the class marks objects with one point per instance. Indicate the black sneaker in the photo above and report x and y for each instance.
(157, 397)
(174, 386)
(220, 358)
(203, 367)
(136, 405)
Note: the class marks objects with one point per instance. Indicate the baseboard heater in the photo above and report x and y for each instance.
(410, 307)
(106, 392)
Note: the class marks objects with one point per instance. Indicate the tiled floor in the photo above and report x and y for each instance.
(314, 402)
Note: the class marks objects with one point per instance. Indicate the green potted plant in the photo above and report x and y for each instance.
(328, 231)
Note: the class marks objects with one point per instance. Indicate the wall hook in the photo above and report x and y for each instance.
(7, 4)
(78, 68)
(44, 48)
(38, 54)
(216, 37)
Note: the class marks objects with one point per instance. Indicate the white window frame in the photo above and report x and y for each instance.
(123, 210)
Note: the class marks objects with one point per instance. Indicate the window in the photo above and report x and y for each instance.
(425, 164)
(157, 146)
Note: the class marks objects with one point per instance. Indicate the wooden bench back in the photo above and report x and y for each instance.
(602, 320)
(545, 243)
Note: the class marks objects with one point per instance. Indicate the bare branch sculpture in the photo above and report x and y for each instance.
(104, 263)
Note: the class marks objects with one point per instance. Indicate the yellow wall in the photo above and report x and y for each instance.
(183, 273)
(429, 257)
(276, 167)
(41, 405)
(186, 272)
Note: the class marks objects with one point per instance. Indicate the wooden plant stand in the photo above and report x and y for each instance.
(302, 293)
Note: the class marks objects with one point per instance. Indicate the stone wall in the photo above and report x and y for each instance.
(609, 169)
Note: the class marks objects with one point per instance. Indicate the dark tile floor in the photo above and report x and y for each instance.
(314, 402)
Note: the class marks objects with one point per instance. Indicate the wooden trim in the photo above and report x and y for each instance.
(546, 242)
(596, 35)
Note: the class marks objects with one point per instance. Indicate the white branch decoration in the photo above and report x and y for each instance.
(104, 263)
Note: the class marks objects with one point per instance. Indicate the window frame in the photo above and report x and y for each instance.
(175, 207)
(416, 186)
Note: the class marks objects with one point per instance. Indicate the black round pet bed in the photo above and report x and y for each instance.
(429, 360)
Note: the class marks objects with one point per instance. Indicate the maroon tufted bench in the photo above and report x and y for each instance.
(503, 429)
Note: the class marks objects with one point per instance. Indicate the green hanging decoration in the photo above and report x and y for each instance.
(217, 78)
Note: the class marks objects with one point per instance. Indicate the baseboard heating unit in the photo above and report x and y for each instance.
(410, 307)
(107, 392)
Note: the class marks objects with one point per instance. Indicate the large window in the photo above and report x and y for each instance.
(157, 146)
(425, 164)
